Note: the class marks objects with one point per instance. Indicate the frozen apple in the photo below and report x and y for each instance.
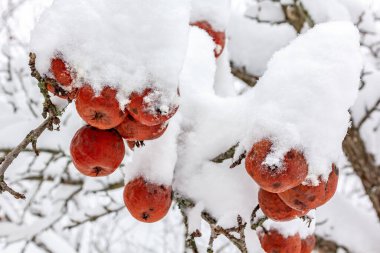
(292, 172)
(219, 37)
(308, 244)
(132, 130)
(274, 208)
(147, 202)
(97, 152)
(61, 72)
(147, 108)
(99, 110)
(307, 196)
(274, 242)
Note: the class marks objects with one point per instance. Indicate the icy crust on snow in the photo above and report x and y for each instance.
(259, 41)
(123, 44)
(216, 12)
(302, 100)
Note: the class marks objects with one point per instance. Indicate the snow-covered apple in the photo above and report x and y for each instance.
(99, 110)
(272, 178)
(274, 242)
(146, 108)
(61, 72)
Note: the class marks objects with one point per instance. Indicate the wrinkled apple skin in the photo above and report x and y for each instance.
(274, 242)
(132, 130)
(293, 172)
(147, 202)
(273, 207)
(306, 197)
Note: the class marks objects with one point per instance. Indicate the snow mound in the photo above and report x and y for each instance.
(302, 100)
(216, 12)
(126, 44)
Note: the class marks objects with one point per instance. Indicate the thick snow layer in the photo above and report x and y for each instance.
(317, 74)
(216, 12)
(210, 121)
(259, 41)
(302, 100)
(224, 81)
(155, 160)
(124, 44)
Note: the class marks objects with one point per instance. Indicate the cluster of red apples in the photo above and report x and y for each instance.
(285, 194)
(97, 149)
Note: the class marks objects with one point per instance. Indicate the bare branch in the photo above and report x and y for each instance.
(364, 165)
(242, 74)
(94, 217)
(324, 245)
(229, 154)
(368, 114)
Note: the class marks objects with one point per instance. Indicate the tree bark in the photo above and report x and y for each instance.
(364, 166)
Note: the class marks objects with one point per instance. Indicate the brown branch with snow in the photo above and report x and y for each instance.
(51, 115)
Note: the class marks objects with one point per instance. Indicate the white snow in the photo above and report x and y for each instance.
(270, 11)
(155, 161)
(290, 228)
(303, 103)
(128, 45)
(216, 12)
(259, 41)
(326, 10)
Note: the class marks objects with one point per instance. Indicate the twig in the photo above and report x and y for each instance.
(324, 245)
(216, 230)
(8, 159)
(226, 155)
(368, 114)
(239, 160)
(364, 165)
(229, 154)
(242, 74)
(50, 114)
(5, 188)
(189, 238)
(94, 218)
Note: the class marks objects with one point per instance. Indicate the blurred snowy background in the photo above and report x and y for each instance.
(65, 212)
